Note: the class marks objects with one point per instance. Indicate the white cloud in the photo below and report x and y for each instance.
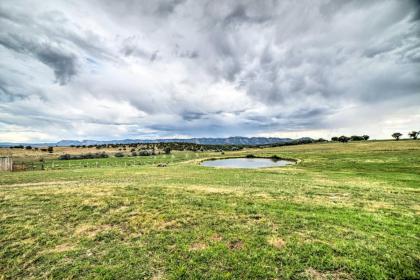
(118, 69)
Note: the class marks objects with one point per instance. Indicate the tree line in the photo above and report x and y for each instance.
(149, 148)
(412, 134)
(345, 139)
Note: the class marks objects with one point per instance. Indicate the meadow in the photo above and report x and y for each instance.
(345, 211)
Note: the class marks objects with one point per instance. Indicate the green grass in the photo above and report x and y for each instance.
(346, 211)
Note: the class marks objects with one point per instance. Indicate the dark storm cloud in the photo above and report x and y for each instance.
(208, 68)
(9, 92)
(167, 7)
(148, 8)
(190, 116)
(62, 63)
(240, 15)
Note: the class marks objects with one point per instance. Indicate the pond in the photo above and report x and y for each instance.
(247, 162)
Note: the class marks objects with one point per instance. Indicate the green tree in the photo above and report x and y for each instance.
(356, 138)
(343, 139)
(414, 134)
(396, 135)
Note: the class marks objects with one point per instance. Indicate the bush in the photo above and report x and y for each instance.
(250, 156)
(145, 153)
(133, 153)
(275, 157)
(65, 157)
(50, 149)
(167, 150)
(343, 139)
(83, 156)
(119, 154)
(356, 138)
(17, 147)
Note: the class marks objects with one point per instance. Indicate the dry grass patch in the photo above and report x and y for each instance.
(236, 245)
(276, 242)
(52, 183)
(90, 230)
(216, 237)
(313, 274)
(208, 189)
(198, 246)
(157, 276)
(162, 225)
(65, 247)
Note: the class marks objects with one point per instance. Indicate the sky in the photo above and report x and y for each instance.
(190, 68)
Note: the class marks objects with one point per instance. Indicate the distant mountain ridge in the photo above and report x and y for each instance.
(236, 140)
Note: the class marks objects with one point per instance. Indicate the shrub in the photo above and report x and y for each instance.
(275, 157)
(146, 153)
(18, 147)
(366, 137)
(167, 150)
(133, 153)
(356, 138)
(250, 156)
(343, 139)
(83, 156)
(65, 157)
(119, 154)
(334, 139)
(50, 149)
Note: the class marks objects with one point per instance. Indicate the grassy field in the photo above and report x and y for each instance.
(346, 211)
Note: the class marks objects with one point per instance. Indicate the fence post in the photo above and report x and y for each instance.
(6, 164)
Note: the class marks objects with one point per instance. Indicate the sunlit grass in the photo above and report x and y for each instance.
(345, 211)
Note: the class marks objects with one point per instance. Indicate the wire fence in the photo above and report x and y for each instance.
(101, 163)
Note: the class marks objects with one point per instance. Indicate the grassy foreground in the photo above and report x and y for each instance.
(346, 211)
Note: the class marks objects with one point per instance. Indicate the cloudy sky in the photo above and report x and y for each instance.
(181, 68)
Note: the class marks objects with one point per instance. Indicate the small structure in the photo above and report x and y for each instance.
(6, 164)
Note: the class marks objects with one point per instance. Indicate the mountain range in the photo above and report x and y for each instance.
(237, 140)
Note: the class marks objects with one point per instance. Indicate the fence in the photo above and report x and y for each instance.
(111, 162)
(6, 164)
